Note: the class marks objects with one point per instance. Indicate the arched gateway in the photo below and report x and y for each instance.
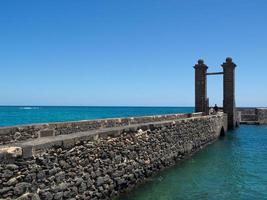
(201, 99)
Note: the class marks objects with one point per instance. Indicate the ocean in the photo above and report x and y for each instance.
(232, 168)
(23, 115)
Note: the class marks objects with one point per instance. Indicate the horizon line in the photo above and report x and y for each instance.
(170, 106)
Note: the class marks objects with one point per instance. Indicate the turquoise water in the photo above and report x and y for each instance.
(232, 168)
(18, 115)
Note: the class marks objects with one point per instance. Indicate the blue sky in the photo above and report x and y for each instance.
(141, 52)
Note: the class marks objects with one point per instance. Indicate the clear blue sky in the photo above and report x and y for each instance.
(120, 52)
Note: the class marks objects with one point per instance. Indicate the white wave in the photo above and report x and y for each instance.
(29, 108)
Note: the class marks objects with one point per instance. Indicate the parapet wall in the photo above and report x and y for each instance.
(247, 114)
(9, 135)
(108, 162)
(258, 115)
(261, 114)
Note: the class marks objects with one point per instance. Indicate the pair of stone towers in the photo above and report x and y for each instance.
(201, 99)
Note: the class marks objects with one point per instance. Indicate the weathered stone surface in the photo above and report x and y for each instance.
(12, 166)
(104, 168)
(21, 188)
(9, 135)
(253, 115)
(58, 195)
(261, 114)
(10, 152)
(12, 181)
(46, 195)
(46, 132)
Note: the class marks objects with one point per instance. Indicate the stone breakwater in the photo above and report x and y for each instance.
(253, 115)
(103, 166)
(9, 135)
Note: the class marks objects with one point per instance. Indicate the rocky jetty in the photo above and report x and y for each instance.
(106, 166)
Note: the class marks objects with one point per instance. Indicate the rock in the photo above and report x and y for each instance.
(98, 173)
(78, 181)
(46, 195)
(188, 147)
(35, 197)
(30, 177)
(93, 175)
(106, 178)
(41, 160)
(42, 186)
(74, 189)
(41, 175)
(64, 164)
(12, 151)
(119, 181)
(7, 173)
(61, 187)
(12, 166)
(53, 171)
(104, 155)
(25, 196)
(82, 188)
(36, 168)
(90, 182)
(51, 178)
(117, 173)
(66, 194)
(17, 135)
(60, 176)
(29, 196)
(86, 176)
(5, 190)
(58, 195)
(21, 188)
(12, 181)
(100, 181)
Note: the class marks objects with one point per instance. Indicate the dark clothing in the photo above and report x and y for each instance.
(216, 108)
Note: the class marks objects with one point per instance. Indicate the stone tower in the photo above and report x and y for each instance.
(229, 91)
(201, 100)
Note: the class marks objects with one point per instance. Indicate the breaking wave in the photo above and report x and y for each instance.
(28, 108)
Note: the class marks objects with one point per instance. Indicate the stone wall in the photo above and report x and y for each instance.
(247, 111)
(107, 164)
(9, 135)
(261, 114)
(248, 117)
(247, 114)
(258, 115)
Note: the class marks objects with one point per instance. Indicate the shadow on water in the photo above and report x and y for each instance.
(233, 167)
(222, 132)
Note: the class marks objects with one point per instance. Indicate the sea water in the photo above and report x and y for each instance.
(21, 115)
(232, 168)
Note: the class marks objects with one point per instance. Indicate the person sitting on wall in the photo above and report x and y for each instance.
(211, 111)
(216, 108)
